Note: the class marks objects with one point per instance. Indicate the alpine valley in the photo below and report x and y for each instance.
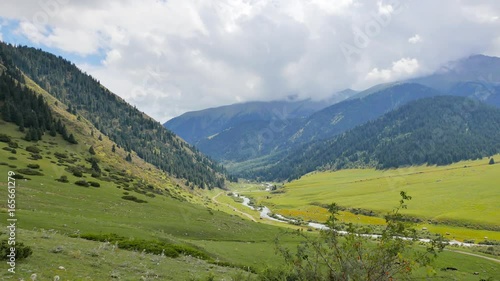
(98, 190)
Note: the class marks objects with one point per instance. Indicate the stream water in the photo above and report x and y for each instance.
(265, 214)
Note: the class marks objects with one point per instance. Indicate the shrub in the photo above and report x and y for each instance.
(35, 156)
(34, 166)
(489, 242)
(333, 256)
(83, 183)
(133, 198)
(18, 177)
(29, 172)
(13, 144)
(150, 246)
(94, 184)
(7, 148)
(33, 149)
(77, 173)
(4, 138)
(12, 158)
(62, 179)
(61, 155)
(492, 161)
(22, 251)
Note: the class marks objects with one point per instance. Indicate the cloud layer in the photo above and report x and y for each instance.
(169, 57)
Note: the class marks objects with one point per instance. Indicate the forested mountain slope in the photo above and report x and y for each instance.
(434, 131)
(124, 124)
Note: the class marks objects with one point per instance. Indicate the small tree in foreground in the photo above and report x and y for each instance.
(492, 161)
(349, 255)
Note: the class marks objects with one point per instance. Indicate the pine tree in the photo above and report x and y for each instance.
(71, 139)
(113, 149)
(492, 161)
(91, 150)
(52, 131)
(96, 170)
(129, 158)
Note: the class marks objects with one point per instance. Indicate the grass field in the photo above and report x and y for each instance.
(460, 199)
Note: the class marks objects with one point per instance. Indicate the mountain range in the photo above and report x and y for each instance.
(245, 144)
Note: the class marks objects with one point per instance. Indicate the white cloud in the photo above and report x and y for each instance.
(112, 56)
(415, 39)
(400, 69)
(168, 57)
(481, 13)
(384, 9)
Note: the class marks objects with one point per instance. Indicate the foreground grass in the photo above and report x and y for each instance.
(78, 259)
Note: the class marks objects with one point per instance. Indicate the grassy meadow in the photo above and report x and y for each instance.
(460, 199)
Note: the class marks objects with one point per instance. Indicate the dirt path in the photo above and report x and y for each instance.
(234, 209)
(475, 255)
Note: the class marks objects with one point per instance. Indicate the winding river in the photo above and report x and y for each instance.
(265, 214)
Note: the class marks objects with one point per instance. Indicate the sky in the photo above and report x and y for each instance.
(173, 56)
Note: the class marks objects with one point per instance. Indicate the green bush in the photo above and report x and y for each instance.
(77, 173)
(150, 246)
(18, 177)
(63, 179)
(333, 256)
(22, 251)
(83, 183)
(33, 149)
(133, 198)
(94, 184)
(34, 166)
(35, 156)
(7, 148)
(13, 144)
(29, 172)
(4, 138)
(60, 155)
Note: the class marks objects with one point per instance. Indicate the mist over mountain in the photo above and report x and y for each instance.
(243, 134)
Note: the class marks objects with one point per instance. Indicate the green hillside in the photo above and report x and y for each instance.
(50, 207)
(125, 125)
